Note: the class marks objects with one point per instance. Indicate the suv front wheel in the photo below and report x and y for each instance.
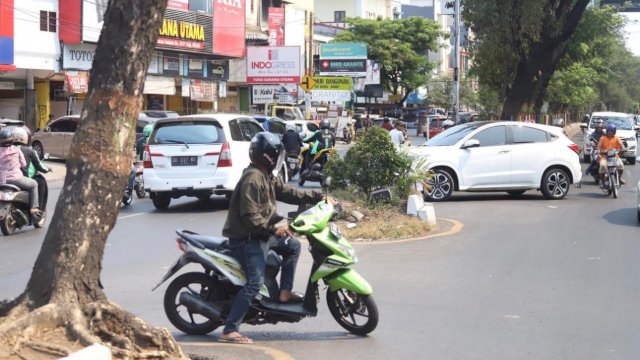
(161, 200)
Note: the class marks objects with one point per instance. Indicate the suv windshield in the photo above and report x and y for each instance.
(621, 123)
(454, 134)
(191, 132)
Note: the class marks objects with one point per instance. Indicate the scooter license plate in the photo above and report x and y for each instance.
(292, 160)
(611, 162)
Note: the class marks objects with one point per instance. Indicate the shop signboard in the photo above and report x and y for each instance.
(273, 65)
(229, 27)
(342, 83)
(195, 67)
(78, 56)
(171, 64)
(343, 51)
(77, 82)
(264, 94)
(201, 90)
(330, 95)
(218, 70)
(159, 85)
(344, 67)
(276, 26)
(178, 4)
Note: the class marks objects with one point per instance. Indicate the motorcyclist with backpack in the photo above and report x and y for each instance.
(140, 144)
(34, 165)
(321, 139)
(291, 140)
(12, 160)
(594, 139)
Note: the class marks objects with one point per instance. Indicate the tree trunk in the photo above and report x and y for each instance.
(65, 282)
(536, 68)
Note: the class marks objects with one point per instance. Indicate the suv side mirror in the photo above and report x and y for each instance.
(583, 125)
(471, 143)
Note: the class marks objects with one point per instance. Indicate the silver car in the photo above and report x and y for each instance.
(55, 139)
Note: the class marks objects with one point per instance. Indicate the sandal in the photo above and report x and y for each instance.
(240, 339)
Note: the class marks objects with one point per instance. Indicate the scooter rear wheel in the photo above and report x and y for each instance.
(354, 312)
(182, 318)
(8, 224)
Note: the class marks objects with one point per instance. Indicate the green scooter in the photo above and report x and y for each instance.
(198, 302)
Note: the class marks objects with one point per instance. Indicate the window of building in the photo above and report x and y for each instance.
(48, 21)
(339, 16)
(205, 6)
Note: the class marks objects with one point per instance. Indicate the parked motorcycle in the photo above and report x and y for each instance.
(138, 182)
(611, 179)
(313, 171)
(197, 302)
(15, 210)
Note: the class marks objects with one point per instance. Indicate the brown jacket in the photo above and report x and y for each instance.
(253, 202)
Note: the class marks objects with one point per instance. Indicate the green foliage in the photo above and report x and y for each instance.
(440, 88)
(399, 46)
(373, 162)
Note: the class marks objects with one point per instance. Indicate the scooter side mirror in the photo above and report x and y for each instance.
(326, 183)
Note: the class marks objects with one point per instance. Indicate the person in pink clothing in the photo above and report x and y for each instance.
(11, 162)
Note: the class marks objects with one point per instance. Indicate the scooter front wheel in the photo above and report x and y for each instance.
(354, 312)
(183, 318)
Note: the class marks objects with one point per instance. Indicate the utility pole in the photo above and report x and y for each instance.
(456, 71)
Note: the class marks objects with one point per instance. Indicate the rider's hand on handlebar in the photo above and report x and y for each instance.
(283, 231)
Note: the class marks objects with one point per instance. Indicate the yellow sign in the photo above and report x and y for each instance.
(182, 29)
(307, 83)
(342, 83)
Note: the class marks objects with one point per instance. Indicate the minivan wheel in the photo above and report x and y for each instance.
(555, 184)
(161, 200)
(441, 186)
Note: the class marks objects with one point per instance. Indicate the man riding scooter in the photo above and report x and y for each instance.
(322, 139)
(610, 141)
(594, 139)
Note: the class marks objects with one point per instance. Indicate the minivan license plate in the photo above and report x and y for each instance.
(184, 160)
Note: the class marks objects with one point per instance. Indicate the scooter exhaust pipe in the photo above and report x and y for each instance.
(197, 305)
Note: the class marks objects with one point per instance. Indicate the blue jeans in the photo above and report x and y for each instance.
(289, 249)
(252, 256)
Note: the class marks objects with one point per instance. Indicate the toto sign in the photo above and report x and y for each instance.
(273, 65)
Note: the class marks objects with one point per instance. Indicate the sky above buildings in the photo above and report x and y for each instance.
(632, 31)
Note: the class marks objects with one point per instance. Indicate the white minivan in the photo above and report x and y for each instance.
(197, 155)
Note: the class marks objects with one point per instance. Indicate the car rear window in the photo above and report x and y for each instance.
(190, 132)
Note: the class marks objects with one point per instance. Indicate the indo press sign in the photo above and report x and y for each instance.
(273, 65)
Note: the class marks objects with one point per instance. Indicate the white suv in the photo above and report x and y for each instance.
(626, 131)
(500, 156)
(197, 155)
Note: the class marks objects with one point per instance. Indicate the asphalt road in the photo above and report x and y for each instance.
(524, 278)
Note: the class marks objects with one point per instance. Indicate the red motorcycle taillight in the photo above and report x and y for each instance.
(179, 241)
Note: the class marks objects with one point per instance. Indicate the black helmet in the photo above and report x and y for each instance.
(324, 124)
(6, 138)
(266, 150)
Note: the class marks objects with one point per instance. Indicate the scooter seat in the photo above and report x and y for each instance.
(202, 241)
(9, 187)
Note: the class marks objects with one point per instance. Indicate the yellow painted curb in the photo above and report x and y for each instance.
(274, 353)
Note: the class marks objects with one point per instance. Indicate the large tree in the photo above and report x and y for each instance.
(64, 295)
(399, 46)
(519, 45)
